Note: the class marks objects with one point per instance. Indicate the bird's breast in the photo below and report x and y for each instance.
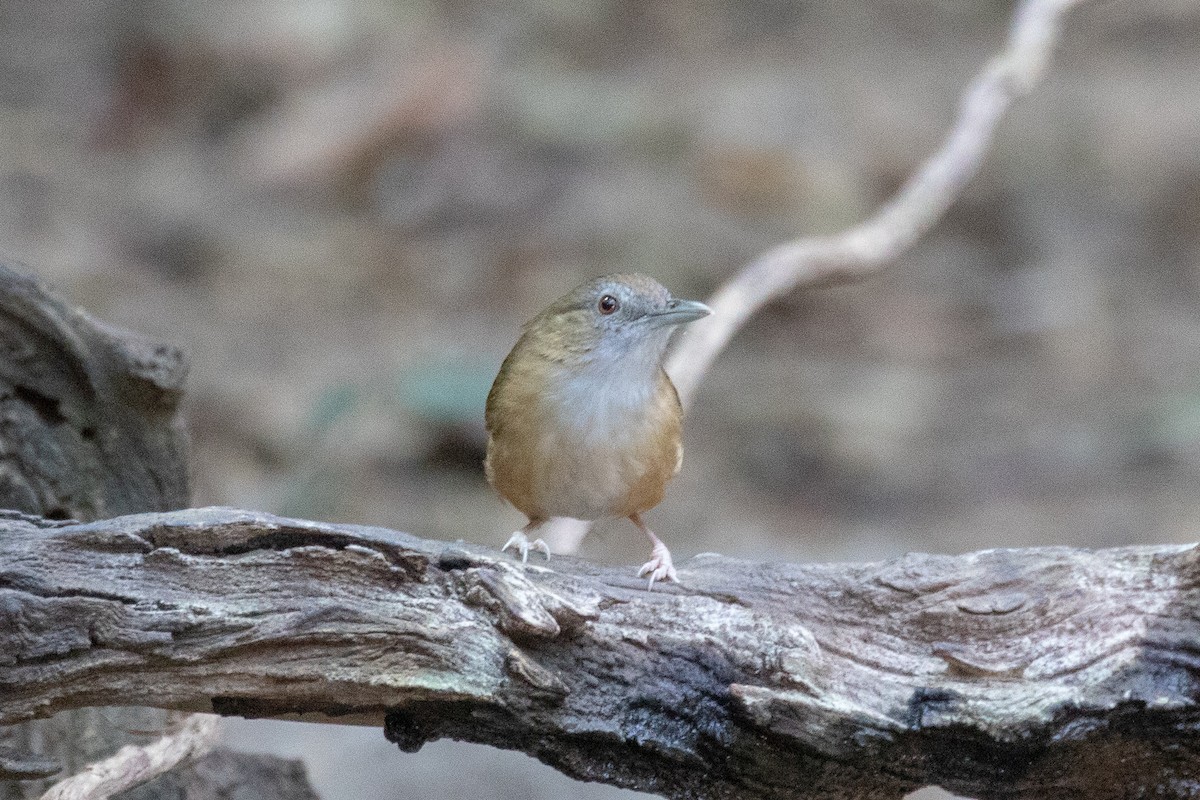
(588, 445)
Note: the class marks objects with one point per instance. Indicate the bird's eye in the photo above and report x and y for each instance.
(608, 304)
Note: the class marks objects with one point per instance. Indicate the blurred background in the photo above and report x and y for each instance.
(344, 209)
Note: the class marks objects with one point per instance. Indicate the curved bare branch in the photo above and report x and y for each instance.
(132, 766)
(920, 203)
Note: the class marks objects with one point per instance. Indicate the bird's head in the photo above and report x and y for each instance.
(616, 319)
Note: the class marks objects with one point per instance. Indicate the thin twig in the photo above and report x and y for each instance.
(132, 766)
(871, 245)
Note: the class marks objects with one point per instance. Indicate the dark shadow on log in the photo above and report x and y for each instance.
(1041, 673)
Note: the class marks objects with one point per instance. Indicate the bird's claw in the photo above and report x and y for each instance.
(520, 542)
(659, 567)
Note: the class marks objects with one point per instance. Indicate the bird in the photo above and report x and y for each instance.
(582, 419)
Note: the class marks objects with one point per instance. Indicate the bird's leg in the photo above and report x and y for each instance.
(659, 567)
(520, 541)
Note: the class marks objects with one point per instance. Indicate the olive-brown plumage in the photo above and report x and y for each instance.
(582, 420)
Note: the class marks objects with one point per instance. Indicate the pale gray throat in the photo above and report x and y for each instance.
(617, 382)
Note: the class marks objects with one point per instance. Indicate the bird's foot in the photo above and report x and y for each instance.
(659, 567)
(520, 542)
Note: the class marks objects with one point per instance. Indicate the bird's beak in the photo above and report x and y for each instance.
(678, 312)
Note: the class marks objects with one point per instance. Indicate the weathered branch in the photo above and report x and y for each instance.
(89, 427)
(1007, 673)
(868, 247)
(132, 766)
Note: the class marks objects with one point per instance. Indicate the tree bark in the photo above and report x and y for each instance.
(1006, 673)
(89, 428)
(88, 414)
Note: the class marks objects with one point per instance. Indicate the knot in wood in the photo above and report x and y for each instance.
(521, 608)
(541, 680)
